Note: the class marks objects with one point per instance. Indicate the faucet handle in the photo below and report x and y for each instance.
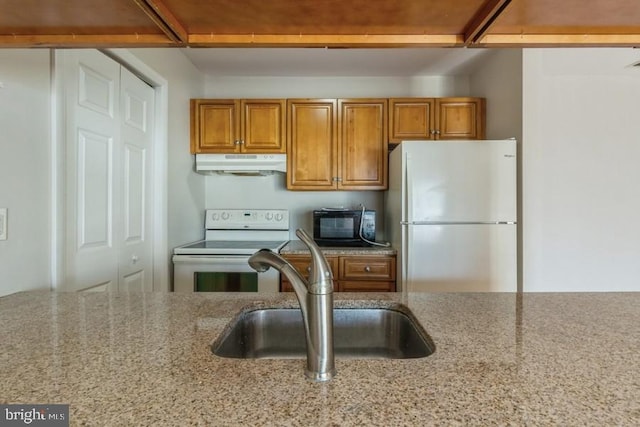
(320, 277)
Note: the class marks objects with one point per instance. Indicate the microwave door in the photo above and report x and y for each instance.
(343, 228)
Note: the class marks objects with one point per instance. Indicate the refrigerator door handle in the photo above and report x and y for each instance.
(408, 255)
(409, 184)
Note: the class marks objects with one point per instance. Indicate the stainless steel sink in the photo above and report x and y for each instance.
(367, 333)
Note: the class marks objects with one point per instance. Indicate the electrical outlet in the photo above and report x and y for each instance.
(3, 223)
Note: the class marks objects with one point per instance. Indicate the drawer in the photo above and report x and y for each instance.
(367, 268)
(366, 286)
(302, 264)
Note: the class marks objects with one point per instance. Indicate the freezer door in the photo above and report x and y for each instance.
(462, 181)
(461, 258)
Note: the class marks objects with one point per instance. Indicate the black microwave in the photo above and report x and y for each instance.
(337, 227)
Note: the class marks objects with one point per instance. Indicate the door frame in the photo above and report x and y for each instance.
(161, 255)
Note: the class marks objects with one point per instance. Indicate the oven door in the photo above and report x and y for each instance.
(221, 273)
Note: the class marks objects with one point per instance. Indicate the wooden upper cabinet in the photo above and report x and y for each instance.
(238, 126)
(436, 118)
(215, 125)
(363, 157)
(263, 125)
(411, 118)
(337, 144)
(311, 144)
(460, 118)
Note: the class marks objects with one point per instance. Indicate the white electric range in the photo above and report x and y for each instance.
(219, 263)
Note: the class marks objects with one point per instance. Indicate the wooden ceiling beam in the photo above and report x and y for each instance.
(324, 40)
(560, 40)
(162, 16)
(483, 19)
(85, 41)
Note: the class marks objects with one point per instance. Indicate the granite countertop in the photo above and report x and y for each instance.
(296, 247)
(500, 359)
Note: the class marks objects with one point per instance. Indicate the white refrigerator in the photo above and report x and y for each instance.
(450, 211)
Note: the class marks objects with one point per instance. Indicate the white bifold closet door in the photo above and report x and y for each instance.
(108, 187)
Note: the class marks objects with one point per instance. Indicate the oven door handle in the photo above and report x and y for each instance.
(209, 259)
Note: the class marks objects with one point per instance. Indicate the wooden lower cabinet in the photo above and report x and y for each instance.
(351, 273)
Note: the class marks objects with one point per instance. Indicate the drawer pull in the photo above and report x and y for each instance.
(367, 269)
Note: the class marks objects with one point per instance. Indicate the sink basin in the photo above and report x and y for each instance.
(367, 333)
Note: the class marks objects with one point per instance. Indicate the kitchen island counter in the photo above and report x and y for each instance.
(145, 359)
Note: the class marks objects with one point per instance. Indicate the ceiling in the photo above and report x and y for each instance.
(319, 23)
(322, 37)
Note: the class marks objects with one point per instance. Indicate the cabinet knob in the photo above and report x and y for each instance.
(367, 269)
(309, 269)
(236, 142)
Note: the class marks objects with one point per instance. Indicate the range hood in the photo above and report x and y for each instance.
(241, 164)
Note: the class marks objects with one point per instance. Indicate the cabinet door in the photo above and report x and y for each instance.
(411, 119)
(311, 144)
(363, 157)
(263, 126)
(460, 118)
(215, 126)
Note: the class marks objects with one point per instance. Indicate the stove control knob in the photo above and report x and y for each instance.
(225, 215)
(278, 217)
(215, 216)
(269, 216)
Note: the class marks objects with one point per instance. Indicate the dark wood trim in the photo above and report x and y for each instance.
(169, 25)
(483, 19)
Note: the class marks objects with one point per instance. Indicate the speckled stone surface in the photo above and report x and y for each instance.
(296, 247)
(500, 359)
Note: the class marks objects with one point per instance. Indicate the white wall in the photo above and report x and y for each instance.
(334, 87)
(581, 171)
(185, 188)
(25, 149)
(270, 192)
(498, 78)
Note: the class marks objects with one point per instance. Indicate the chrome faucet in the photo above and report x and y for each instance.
(316, 303)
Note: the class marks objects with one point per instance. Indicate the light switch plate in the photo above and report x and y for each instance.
(3, 223)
